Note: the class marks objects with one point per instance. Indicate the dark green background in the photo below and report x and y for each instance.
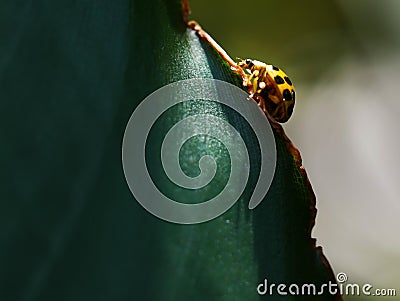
(71, 73)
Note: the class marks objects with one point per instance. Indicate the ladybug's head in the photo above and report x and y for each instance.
(246, 64)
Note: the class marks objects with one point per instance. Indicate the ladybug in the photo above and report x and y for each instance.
(271, 87)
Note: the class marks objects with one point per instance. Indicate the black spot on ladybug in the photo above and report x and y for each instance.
(287, 95)
(265, 94)
(275, 68)
(294, 95)
(249, 63)
(290, 109)
(287, 79)
(279, 80)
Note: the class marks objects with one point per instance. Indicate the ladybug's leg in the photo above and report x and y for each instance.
(274, 98)
(255, 85)
(261, 103)
(261, 85)
(247, 80)
(235, 68)
(253, 80)
(250, 81)
(279, 114)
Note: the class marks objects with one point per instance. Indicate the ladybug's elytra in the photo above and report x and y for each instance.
(273, 85)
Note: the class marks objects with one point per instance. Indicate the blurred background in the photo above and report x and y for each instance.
(343, 57)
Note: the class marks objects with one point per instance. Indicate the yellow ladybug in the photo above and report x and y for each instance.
(273, 85)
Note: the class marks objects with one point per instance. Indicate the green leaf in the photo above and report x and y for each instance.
(71, 74)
